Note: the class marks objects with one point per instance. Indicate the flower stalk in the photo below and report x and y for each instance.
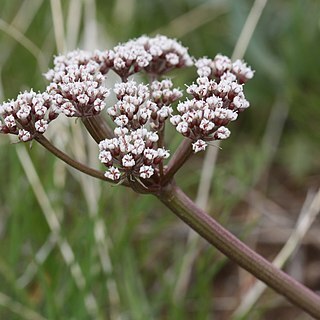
(98, 128)
(181, 205)
(181, 155)
(70, 161)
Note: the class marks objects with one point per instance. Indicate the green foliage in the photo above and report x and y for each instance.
(133, 270)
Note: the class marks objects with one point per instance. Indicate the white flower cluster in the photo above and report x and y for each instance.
(131, 153)
(163, 95)
(134, 150)
(99, 60)
(133, 107)
(62, 62)
(26, 116)
(220, 65)
(137, 105)
(215, 102)
(77, 90)
(166, 53)
(155, 55)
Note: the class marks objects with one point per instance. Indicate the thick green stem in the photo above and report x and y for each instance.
(73, 163)
(176, 200)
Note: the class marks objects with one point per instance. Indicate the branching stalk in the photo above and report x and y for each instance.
(98, 128)
(181, 155)
(73, 163)
(176, 200)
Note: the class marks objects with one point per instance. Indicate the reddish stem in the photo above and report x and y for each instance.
(181, 155)
(176, 200)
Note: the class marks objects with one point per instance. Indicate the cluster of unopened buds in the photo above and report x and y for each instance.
(135, 150)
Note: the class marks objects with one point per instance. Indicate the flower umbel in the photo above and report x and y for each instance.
(217, 99)
(77, 89)
(27, 116)
(132, 154)
(135, 148)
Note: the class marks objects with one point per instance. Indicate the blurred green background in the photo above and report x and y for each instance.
(74, 248)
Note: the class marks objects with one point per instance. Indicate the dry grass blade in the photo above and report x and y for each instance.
(19, 309)
(73, 23)
(90, 32)
(58, 25)
(22, 21)
(55, 227)
(194, 19)
(248, 29)
(40, 257)
(91, 189)
(25, 42)
(306, 218)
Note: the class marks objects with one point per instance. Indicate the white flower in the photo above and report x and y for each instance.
(7, 107)
(68, 109)
(121, 121)
(240, 102)
(30, 112)
(143, 61)
(214, 102)
(241, 69)
(24, 111)
(113, 173)
(10, 121)
(24, 135)
(204, 67)
(138, 147)
(150, 154)
(41, 125)
(124, 144)
(206, 125)
(120, 131)
(119, 63)
(228, 76)
(221, 64)
(110, 144)
(172, 58)
(208, 113)
(112, 111)
(83, 98)
(144, 115)
(165, 112)
(199, 145)
(99, 105)
(163, 153)
(224, 86)
(152, 136)
(222, 133)
(182, 127)
(236, 88)
(128, 161)
(79, 83)
(146, 172)
(128, 107)
(105, 156)
(175, 120)
(189, 116)
(40, 110)
(171, 49)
